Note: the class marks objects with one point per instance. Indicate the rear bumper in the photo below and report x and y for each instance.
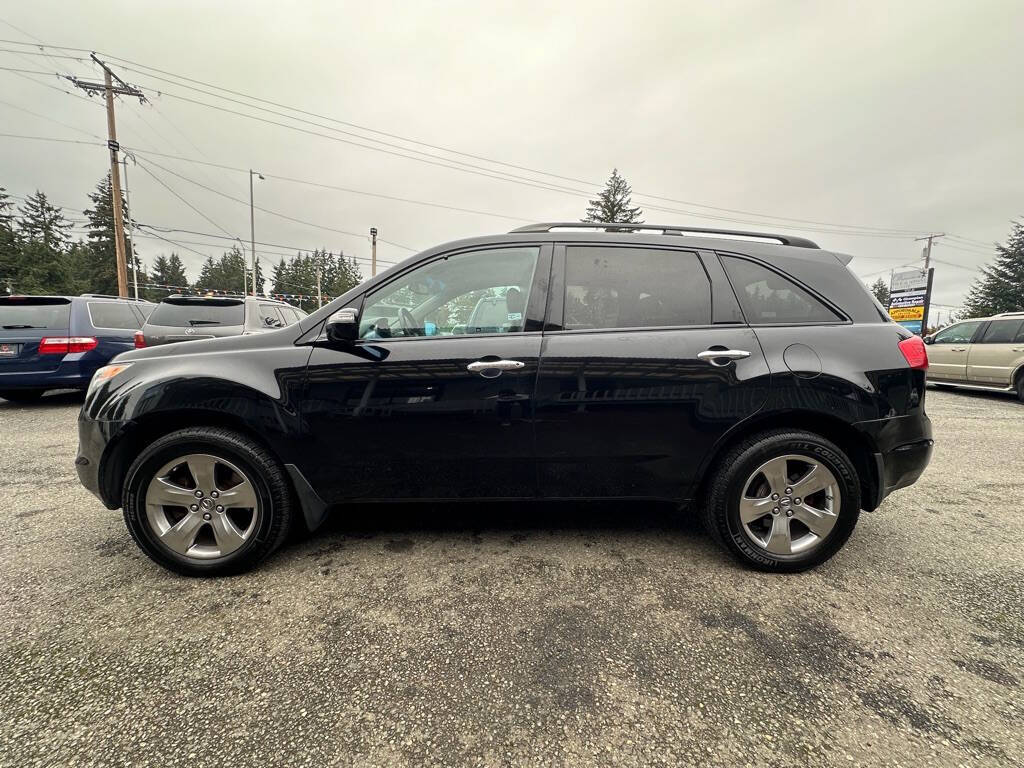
(70, 374)
(903, 449)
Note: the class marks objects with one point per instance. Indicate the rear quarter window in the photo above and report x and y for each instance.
(769, 298)
(111, 315)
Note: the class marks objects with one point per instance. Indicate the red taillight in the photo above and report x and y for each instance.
(915, 352)
(140, 340)
(63, 345)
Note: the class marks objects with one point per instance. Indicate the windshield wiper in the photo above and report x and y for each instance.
(12, 327)
(204, 322)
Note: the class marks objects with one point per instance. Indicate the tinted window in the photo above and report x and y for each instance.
(1001, 332)
(634, 288)
(290, 314)
(144, 310)
(34, 313)
(111, 315)
(479, 292)
(198, 312)
(768, 297)
(961, 333)
(270, 317)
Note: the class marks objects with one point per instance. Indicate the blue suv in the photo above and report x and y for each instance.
(58, 342)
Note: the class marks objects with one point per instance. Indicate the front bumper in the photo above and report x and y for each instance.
(93, 439)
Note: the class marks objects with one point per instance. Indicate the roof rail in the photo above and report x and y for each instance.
(109, 296)
(669, 229)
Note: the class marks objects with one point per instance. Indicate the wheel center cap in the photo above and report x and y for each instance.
(206, 503)
(785, 501)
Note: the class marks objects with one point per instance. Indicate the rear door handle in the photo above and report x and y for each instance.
(722, 357)
(490, 368)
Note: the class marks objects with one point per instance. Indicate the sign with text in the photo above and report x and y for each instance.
(909, 293)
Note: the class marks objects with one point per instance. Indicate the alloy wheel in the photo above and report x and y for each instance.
(790, 504)
(202, 506)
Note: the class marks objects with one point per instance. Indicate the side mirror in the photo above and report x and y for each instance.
(343, 325)
(929, 339)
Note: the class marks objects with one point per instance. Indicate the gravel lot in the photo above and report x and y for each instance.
(491, 635)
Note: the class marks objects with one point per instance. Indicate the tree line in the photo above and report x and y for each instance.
(40, 255)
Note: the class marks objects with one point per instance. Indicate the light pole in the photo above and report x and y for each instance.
(128, 222)
(252, 225)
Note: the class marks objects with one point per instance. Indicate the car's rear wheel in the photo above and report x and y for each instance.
(22, 395)
(207, 502)
(1020, 387)
(783, 500)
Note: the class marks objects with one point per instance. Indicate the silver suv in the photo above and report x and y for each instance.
(189, 318)
(982, 353)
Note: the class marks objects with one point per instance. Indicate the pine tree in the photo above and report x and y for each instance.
(613, 204)
(9, 252)
(41, 264)
(100, 263)
(1001, 285)
(881, 290)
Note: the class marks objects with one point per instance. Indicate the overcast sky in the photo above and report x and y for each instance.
(902, 116)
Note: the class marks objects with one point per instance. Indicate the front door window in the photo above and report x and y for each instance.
(481, 292)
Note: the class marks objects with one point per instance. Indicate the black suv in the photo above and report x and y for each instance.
(750, 374)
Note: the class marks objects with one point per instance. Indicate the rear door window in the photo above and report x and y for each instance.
(271, 317)
(608, 287)
(184, 313)
(769, 298)
(113, 315)
(1001, 332)
(44, 312)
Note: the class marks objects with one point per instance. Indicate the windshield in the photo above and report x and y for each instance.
(49, 313)
(207, 312)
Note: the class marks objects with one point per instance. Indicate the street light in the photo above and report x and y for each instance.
(252, 225)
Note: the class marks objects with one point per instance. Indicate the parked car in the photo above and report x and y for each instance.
(58, 342)
(752, 375)
(192, 318)
(983, 353)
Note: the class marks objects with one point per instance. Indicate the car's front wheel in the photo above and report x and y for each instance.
(783, 500)
(207, 502)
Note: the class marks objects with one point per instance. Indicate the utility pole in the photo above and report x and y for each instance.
(109, 89)
(128, 201)
(373, 251)
(252, 227)
(928, 249)
(319, 295)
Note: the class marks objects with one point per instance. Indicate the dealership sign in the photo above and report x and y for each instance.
(909, 295)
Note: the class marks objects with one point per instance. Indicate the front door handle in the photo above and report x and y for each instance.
(722, 357)
(491, 368)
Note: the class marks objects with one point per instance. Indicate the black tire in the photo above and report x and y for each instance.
(22, 395)
(726, 486)
(266, 474)
(1020, 387)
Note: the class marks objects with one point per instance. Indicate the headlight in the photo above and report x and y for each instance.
(105, 373)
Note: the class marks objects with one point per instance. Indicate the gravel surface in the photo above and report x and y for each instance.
(493, 635)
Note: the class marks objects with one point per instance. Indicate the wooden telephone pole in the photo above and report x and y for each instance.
(109, 89)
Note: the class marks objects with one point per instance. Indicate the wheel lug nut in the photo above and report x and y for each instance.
(198, 494)
(220, 508)
(207, 515)
(215, 494)
(796, 500)
(789, 490)
(789, 513)
(775, 511)
(775, 496)
(194, 507)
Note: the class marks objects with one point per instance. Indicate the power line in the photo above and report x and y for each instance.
(50, 119)
(170, 189)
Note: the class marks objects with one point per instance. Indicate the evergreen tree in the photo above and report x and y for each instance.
(168, 271)
(9, 252)
(99, 265)
(1001, 285)
(228, 273)
(881, 290)
(41, 264)
(613, 204)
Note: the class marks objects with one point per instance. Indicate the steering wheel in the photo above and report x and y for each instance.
(409, 325)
